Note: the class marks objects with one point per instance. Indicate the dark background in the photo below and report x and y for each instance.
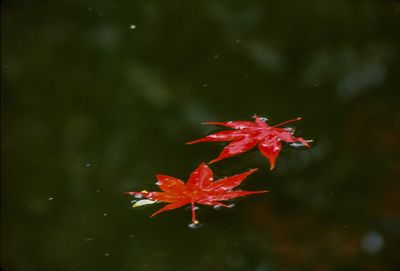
(92, 108)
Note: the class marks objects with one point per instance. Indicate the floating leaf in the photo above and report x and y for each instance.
(199, 189)
(247, 134)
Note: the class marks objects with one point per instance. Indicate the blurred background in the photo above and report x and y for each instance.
(99, 96)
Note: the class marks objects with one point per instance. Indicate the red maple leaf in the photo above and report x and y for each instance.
(248, 134)
(200, 188)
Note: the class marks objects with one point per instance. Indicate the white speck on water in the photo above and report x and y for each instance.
(51, 198)
(297, 145)
(216, 56)
(132, 26)
(130, 235)
(289, 129)
(105, 214)
(205, 85)
(88, 165)
(195, 225)
(237, 41)
(107, 254)
(98, 191)
(88, 239)
(138, 196)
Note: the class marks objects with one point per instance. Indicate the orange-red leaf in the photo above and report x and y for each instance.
(247, 135)
(200, 188)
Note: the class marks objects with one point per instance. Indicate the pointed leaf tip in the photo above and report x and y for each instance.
(193, 142)
(213, 161)
(209, 122)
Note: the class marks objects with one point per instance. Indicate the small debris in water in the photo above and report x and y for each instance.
(143, 202)
(105, 214)
(132, 26)
(51, 198)
(88, 239)
(107, 254)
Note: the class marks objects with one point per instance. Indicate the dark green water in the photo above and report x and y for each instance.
(99, 96)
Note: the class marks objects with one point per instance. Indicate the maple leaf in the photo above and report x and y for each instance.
(200, 188)
(248, 134)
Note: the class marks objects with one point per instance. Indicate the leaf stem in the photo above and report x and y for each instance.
(194, 220)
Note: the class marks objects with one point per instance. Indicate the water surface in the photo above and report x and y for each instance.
(99, 96)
